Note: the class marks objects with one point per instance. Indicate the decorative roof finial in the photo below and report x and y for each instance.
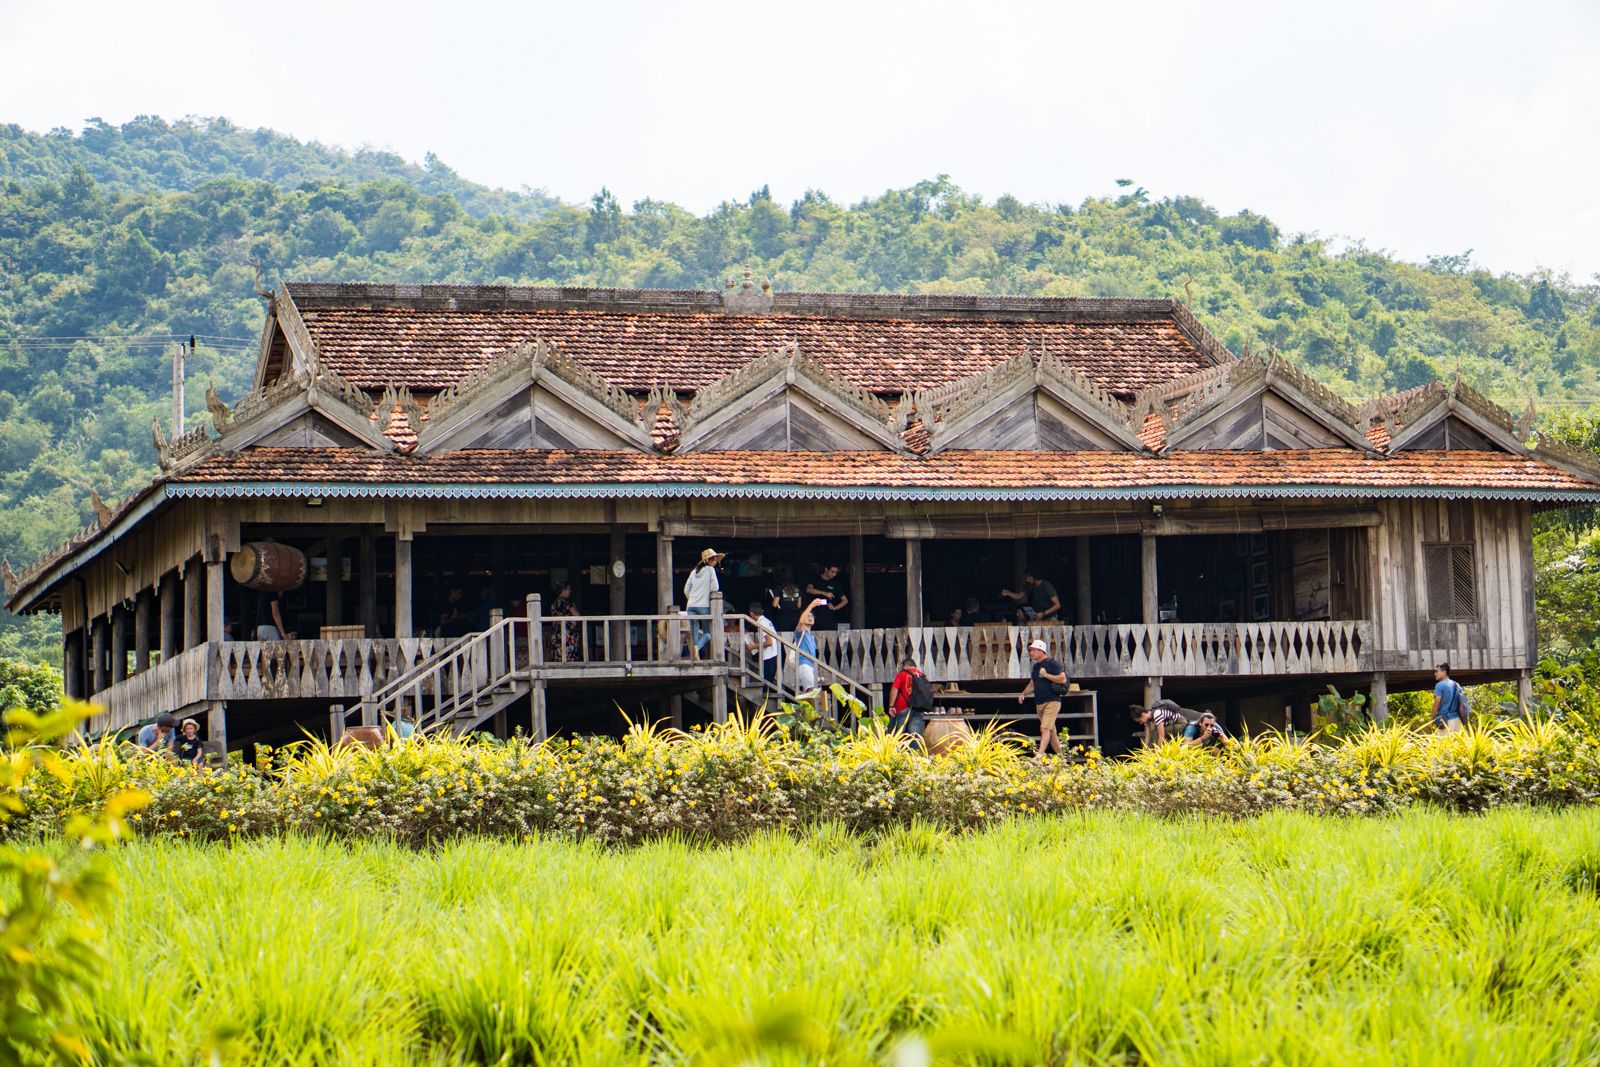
(747, 299)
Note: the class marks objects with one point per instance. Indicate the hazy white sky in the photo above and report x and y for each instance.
(1419, 127)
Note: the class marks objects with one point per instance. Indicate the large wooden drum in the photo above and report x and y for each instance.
(269, 566)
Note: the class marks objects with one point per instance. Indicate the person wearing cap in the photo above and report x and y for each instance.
(161, 735)
(1047, 686)
(697, 590)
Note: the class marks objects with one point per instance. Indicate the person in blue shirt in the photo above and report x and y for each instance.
(1448, 702)
(161, 735)
(806, 638)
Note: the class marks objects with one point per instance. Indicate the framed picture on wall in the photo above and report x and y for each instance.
(1260, 607)
(1260, 575)
(1258, 544)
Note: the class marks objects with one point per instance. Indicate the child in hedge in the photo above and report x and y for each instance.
(191, 748)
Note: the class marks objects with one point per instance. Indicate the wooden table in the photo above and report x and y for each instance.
(1087, 698)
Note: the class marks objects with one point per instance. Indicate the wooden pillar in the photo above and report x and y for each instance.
(541, 713)
(214, 614)
(335, 722)
(217, 723)
(171, 617)
(1019, 562)
(333, 590)
(141, 631)
(666, 588)
(1150, 604)
(617, 592)
(369, 582)
(99, 670)
(1378, 698)
(1524, 691)
(675, 711)
(719, 656)
(1149, 595)
(858, 582)
(194, 596)
(1085, 579)
(119, 643)
(914, 613)
(402, 586)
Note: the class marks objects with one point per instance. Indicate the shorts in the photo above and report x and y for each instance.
(1048, 710)
(1451, 725)
(805, 677)
(268, 632)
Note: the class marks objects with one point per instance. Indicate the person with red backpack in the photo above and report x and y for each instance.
(910, 699)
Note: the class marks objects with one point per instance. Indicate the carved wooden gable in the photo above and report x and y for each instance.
(1259, 402)
(1454, 416)
(1026, 404)
(788, 402)
(532, 396)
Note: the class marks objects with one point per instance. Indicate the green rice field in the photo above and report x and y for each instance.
(1425, 938)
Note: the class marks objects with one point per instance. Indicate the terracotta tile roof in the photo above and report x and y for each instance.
(427, 349)
(1225, 474)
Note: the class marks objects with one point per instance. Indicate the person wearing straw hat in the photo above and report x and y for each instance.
(1047, 686)
(697, 590)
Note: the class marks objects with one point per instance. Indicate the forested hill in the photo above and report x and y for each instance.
(115, 239)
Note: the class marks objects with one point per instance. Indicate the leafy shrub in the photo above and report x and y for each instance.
(747, 776)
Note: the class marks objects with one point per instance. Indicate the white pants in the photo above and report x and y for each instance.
(805, 677)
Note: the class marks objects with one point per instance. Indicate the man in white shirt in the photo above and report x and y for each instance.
(766, 643)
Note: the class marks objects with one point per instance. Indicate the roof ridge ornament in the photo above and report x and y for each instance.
(746, 299)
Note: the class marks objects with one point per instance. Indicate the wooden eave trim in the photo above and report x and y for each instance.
(37, 588)
(600, 414)
(1202, 338)
(1091, 413)
(940, 432)
(295, 333)
(342, 415)
(242, 434)
(771, 387)
(497, 393)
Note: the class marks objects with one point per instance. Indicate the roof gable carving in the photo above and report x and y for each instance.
(784, 380)
(531, 395)
(1257, 401)
(1042, 400)
(1454, 415)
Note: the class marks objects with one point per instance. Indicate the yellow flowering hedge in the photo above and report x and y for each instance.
(728, 781)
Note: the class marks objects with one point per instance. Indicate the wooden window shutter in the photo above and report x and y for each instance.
(1451, 573)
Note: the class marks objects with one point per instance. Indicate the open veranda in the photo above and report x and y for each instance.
(1104, 938)
(734, 896)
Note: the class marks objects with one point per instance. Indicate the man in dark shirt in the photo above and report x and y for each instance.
(1047, 686)
(826, 584)
(1037, 599)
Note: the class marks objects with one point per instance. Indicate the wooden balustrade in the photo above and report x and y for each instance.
(280, 670)
(1130, 650)
(170, 685)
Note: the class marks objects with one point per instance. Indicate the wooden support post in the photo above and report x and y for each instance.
(1378, 698)
(369, 582)
(541, 713)
(858, 582)
(214, 611)
(194, 599)
(1085, 580)
(675, 710)
(335, 723)
(217, 723)
(100, 664)
(1152, 691)
(499, 726)
(141, 631)
(617, 591)
(402, 586)
(666, 588)
(333, 590)
(719, 657)
(171, 617)
(914, 613)
(1524, 692)
(1149, 595)
(1019, 562)
(119, 643)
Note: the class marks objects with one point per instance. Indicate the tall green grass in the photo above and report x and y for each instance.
(1100, 939)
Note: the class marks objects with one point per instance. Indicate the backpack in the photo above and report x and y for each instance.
(1462, 708)
(921, 693)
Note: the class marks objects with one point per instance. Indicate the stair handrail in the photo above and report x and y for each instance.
(383, 699)
(827, 674)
